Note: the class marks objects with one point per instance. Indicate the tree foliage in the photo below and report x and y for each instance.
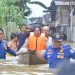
(13, 11)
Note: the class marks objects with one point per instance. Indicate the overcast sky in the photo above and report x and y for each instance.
(37, 11)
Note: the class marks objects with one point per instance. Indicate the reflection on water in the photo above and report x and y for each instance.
(9, 68)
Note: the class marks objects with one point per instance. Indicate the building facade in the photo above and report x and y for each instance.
(65, 17)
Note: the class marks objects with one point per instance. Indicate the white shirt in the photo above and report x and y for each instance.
(48, 41)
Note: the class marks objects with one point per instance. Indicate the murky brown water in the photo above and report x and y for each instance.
(9, 68)
(13, 68)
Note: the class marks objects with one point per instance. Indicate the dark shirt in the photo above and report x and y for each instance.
(22, 38)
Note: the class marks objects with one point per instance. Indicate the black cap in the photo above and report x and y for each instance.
(57, 37)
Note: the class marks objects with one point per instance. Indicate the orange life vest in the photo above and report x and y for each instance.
(36, 43)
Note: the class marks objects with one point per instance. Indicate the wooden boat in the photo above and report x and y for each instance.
(31, 59)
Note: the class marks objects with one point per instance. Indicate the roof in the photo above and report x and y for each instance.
(61, 2)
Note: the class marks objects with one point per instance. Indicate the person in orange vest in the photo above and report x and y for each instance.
(35, 43)
(13, 43)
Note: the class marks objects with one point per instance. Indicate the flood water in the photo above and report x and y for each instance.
(72, 44)
(11, 67)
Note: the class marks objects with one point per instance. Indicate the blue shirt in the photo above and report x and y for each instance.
(4, 49)
(56, 56)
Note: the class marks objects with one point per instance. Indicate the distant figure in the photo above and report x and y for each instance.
(66, 69)
(37, 42)
(13, 43)
(64, 36)
(23, 35)
(58, 52)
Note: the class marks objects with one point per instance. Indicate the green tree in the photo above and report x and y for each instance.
(12, 11)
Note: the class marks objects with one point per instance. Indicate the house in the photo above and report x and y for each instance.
(65, 18)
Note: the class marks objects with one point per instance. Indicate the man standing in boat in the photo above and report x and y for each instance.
(58, 52)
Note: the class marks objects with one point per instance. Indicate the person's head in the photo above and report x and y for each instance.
(23, 28)
(57, 40)
(46, 30)
(1, 34)
(14, 36)
(37, 31)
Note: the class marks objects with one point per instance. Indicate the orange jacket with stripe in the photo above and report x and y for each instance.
(36, 43)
